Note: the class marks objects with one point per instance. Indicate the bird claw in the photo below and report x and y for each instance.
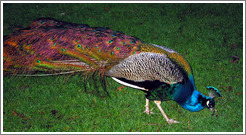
(171, 121)
(147, 111)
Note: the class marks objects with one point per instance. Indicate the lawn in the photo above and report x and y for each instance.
(209, 36)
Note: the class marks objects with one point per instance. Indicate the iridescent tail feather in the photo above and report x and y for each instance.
(57, 47)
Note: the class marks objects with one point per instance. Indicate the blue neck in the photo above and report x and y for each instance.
(194, 102)
(188, 97)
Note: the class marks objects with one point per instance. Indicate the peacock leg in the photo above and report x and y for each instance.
(147, 111)
(169, 121)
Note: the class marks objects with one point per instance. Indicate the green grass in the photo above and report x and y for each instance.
(207, 35)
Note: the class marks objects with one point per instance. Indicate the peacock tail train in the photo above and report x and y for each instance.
(56, 46)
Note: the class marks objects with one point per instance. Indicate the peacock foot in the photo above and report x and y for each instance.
(171, 121)
(147, 111)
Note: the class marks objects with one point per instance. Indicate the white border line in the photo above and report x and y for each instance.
(244, 67)
(123, 132)
(122, 1)
(1, 67)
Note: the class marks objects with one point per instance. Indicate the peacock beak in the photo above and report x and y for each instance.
(213, 110)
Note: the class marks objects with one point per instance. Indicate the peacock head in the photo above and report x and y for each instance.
(213, 93)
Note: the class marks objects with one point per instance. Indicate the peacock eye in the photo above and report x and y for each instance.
(210, 103)
(207, 103)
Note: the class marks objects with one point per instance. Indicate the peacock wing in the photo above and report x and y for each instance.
(147, 66)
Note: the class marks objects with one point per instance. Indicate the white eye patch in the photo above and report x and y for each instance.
(207, 103)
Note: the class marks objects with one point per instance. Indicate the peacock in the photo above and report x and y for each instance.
(55, 47)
